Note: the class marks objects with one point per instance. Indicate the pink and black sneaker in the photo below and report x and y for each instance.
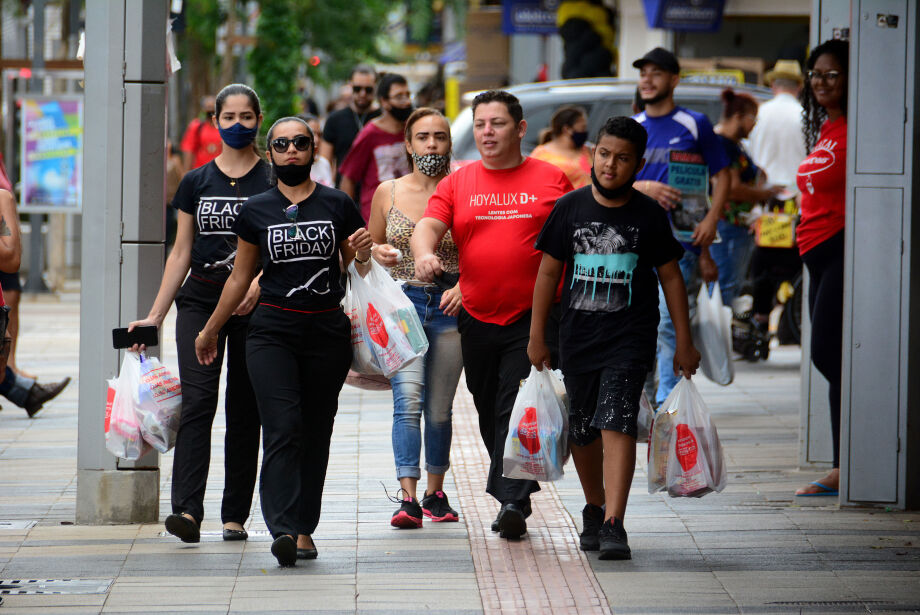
(436, 508)
(408, 516)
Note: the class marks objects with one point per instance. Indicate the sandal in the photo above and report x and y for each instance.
(822, 490)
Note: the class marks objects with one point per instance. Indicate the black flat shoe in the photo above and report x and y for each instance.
(285, 550)
(308, 553)
(183, 528)
(235, 534)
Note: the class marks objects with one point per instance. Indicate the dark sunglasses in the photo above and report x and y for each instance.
(301, 143)
(367, 89)
(290, 212)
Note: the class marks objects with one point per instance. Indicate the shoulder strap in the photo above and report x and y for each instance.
(392, 193)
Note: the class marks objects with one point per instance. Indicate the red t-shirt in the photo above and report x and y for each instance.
(202, 140)
(374, 157)
(822, 179)
(494, 218)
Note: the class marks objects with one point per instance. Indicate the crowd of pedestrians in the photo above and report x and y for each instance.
(500, 258)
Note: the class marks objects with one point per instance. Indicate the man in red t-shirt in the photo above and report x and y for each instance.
(201, 142)
(494, 209)
(379, 150)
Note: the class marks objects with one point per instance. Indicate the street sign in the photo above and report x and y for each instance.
(685, 15)
(528, 17)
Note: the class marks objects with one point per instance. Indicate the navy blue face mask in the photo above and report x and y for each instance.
(238, 136)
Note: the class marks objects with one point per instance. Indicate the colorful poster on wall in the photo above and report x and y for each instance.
(51, 160)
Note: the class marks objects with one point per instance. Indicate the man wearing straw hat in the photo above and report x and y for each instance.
(777, 141)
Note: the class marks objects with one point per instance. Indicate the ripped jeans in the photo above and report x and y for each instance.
(427, 387)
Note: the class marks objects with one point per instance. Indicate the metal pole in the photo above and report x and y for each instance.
(35, 283)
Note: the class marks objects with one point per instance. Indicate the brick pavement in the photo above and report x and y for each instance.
(544, 571)
(750, 549)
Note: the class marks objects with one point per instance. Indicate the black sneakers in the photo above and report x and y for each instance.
(592, 518)
(612, 539)
(436, 508)
(408, 516)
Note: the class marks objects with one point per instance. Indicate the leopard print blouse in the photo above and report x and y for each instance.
(399, 230)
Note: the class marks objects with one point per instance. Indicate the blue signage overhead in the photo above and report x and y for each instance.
(528, 17)
(686, 15)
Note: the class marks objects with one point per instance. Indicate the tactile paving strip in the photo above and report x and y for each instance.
(543, 572)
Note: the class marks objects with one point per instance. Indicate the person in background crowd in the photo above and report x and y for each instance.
(378, 153)
(299, 345)
(777, 144)
(321, 171)
(499, 264)
(732, 254)
(201, 142)
(18, 386)
(607, 335)
(344, 124)
(821, 181)
(174, 173)
(565, 145)
(208, 201)
(427, 385)
(672, 128)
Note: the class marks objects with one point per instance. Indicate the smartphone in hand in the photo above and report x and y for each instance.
(144, 335)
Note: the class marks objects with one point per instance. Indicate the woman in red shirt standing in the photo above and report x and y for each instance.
(821, 180)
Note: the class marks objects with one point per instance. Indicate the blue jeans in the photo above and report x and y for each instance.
(667, 339)
(427, 387)
(16, 388)
(732, 256)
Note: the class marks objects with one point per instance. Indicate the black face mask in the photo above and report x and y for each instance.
(616, 193)
(293, 174)
(401, 113)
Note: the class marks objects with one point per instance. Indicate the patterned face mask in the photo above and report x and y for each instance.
(431, 165)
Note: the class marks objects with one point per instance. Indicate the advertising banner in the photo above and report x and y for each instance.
(51, 155)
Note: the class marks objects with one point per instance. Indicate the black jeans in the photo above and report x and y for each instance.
(192, 458)
(825, 305)
(495, 361)
(298, 363)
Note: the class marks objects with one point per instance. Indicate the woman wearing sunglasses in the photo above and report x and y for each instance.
(426, 386)
(299, 345)
(208, 201)
(821, 180)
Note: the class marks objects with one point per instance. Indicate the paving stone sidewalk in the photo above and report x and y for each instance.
(750, 549)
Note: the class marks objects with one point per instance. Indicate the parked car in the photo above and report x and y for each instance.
(601, 98)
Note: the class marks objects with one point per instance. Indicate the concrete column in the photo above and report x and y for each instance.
(123, 235)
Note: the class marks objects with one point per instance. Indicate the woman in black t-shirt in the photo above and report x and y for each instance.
(299, 345)
(208, 201)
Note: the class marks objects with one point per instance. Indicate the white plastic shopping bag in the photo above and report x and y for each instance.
(694, 464)
(158, 399)
(389, 325)
(712, 334)
(645, 419)
(362, 359)
(122, 426)
(536, 446)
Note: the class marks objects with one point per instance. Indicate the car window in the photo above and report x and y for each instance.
(711, 106)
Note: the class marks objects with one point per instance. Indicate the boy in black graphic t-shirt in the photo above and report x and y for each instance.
(610, 240)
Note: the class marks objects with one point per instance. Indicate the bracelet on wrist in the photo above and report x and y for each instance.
(362, 262)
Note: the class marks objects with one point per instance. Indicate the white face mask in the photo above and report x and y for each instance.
(431, 165)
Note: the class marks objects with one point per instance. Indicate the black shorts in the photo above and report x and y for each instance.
(604, 399)
(10, 281)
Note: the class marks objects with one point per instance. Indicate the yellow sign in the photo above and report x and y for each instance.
(775, 231)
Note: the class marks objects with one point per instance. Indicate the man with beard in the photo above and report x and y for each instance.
(379, 153)
(343, 126)
(676, 129)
